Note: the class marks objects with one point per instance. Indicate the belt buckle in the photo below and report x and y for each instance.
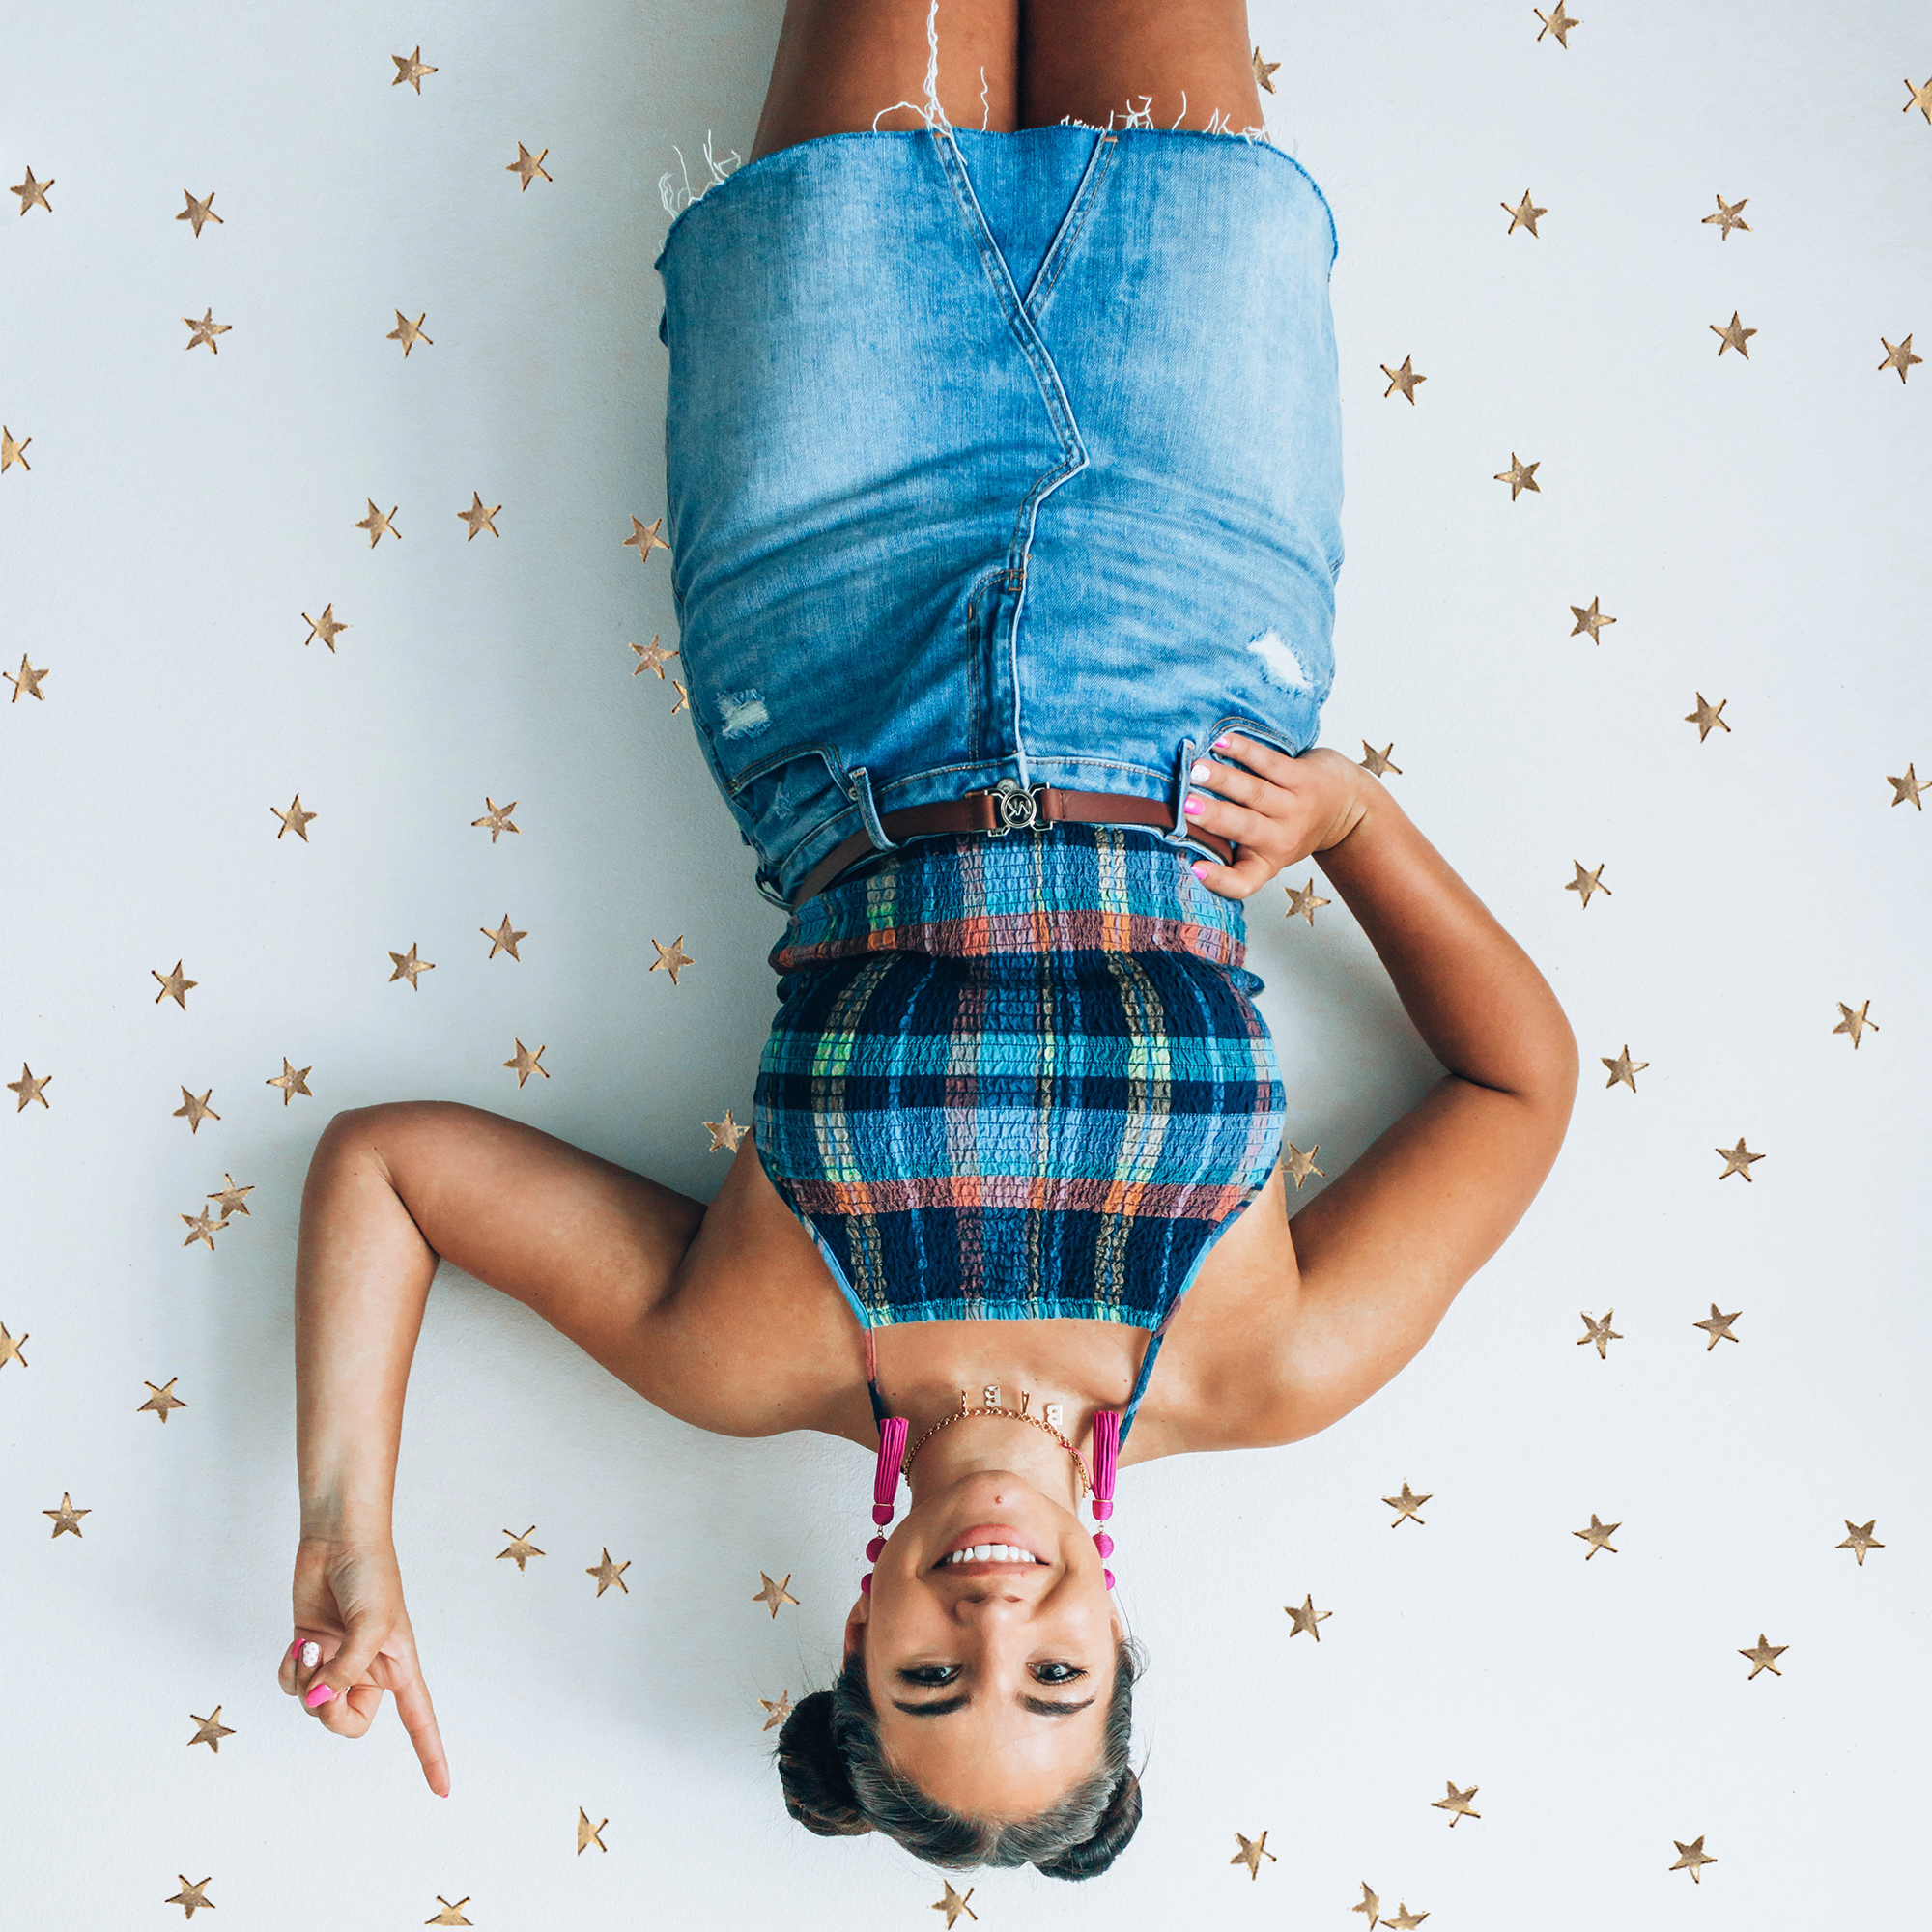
(1016, 808)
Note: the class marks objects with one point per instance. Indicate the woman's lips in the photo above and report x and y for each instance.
(998, 1535)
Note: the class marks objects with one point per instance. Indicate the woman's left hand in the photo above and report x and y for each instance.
(1277, 809)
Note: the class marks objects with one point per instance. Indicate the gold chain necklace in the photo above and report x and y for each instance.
(990, 1406)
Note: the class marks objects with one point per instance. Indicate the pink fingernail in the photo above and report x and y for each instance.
(319, 1697)
(295, 1647)
(1221, 744)
(1191, 807)
(1200, 869)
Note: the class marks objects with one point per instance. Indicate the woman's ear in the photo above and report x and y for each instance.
(855, 1628)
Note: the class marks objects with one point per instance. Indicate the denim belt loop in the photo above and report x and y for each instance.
(861, 791)
(1181, 770)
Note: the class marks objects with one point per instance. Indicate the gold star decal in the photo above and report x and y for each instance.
(478, 518)
(1586, 883)
(1692, 1857)
(1305, 1618)
(1600, 1333)
(206, 330)
(31, 193)
(503, 939)
(1405, 1920)
(1764, 1657)
(1371, 1905)
(408, 333)
(1558, 23)
(10, 1348)
(1404, 379)
(295, 819)
(1624, 1069)
(1904, 791)
(497, 817)
(230, 1196)
(521, 1549)
(450, 1915)
(774, 1594)
(191, 1895)
(1301, 1165)
(1733, 335)
(586, 1832)
(26, 681)
(725, 1134)
(1404, 1506)
(1519, 476)
(1264, 69)
(1707, 718)
(952, 1904)
(1922, 99)
(1376, 763)
(376, 522)
(1253, 1851)
(212, 1731)
(673, 957)
(198, 211)
(644, 539)
(776, 1712)
(66, 1520)
(201, 1229)
(523, 1063)
(651, 656)
(1718, 1326)
(1457, 1803)
(1598, 1536)
(1899, 356)
(410, 69)
(173, 986)
(291, 1080)
(528, 165)
(1523, 215)
(11, 452)
(408, 967)
(1853, 1023)
(324, 627)
(608, 1572)
(1304, 901)
(1729, 217)
(28, 1089)
(683, 699)
(1858, 1542)
(1737, 1159)
(161, 1400)
(1592, 621)
(197, 1111)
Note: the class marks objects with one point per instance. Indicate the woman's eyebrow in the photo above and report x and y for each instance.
(1045, 1707)
(943, 1708)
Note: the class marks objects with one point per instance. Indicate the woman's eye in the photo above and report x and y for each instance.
(1058, 1673)
(930, 1674)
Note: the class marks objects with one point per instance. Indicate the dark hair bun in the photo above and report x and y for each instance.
(1118, 1824)
(817, 1787)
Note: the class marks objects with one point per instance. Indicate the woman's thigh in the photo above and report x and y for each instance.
(841, 62)
(1182, 63)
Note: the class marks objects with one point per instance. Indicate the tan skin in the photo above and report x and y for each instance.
(726, 1317)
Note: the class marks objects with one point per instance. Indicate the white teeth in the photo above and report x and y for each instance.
(992, 1552)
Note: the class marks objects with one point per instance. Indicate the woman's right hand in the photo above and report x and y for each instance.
(348, 1603)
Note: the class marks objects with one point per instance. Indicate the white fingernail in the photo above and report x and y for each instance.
(311, 1656)
(1202, 772)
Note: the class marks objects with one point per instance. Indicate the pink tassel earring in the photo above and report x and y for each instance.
(892, 1432)
(1106, 1461)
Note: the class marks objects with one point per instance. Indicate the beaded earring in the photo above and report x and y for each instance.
(1106, 1461)
(893, 1430)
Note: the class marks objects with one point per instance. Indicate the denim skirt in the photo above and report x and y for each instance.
(997, 456)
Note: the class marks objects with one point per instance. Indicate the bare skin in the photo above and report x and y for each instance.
(726, 1317)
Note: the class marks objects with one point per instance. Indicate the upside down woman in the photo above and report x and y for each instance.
(1004, 477)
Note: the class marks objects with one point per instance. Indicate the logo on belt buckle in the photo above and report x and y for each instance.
(1015, 807)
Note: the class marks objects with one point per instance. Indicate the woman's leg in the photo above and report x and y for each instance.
(1100, 60)
(840, 61)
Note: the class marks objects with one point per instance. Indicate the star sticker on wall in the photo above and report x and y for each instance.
(776, 1710)
(1763, 1656)
(1707, 718)
(1692, 1857)
(174, 985)
(1899, 356)
(201, 1229)
(497, 817)
(1623, 1069)
(450, 1915)
(1586, 883)
(952, 1904)
(376, 522)
(26, 681)
(1733, 335)
(1524, 215)
(1404, 379)
(1598, 1536)
(1922, 99)
(1306, 1618)
(161, 1400)
(205, 331)
(295, 819)
(191, 1895)
(198, 211)
(1263, 69)
(683, 698)
(586, 1832)
(408, 967)
(1253, 1851)
(230, 1195)
(1718, 1326)
(1854, 1023)
(528, 165)
(1592, 621)
(1376, 763)
(412, 69)
(1301, 1165)
(291, 1080)
(1404, 1506)
(10, 1347)
(1519, 476)
(408, 333)
(1600, 1333)
(774, 1594)
(521, 1549)
(1305, 901)
(673, 957)
(478, 518)
(1405, 1920)
(652, 656)
(66, 1519)
(645, 538)
(725, 1134)
(1906, 790)
(523, 1063)
(1858, 1542)
(213, 1730)
(1369, 1905)
(12, 452)
(28, 1089)
(1457, 1803)
(503, 938)
(608, 1572)
(195, 1111)
(324, 627)
(1558, 23)
(1737, 1159)
(33, 193)
(1728, 218)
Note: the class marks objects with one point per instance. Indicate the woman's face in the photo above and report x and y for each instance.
(991, 1678)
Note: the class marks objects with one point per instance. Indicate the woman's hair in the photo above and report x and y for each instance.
(837, 1783)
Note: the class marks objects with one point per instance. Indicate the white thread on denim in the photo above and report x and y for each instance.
(931, 112)
(1280, 662)
(668, 189)
(985, 105)
(739, 712)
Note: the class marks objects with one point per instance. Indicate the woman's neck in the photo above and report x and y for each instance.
(997, 1442)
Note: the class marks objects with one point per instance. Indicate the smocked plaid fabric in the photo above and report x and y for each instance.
(1018, 1076)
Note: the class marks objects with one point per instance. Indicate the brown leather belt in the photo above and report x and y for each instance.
(1008, 807)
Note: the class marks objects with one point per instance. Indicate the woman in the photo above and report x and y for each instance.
(1003, 481)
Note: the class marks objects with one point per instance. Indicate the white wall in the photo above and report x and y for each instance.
(1757, 529)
